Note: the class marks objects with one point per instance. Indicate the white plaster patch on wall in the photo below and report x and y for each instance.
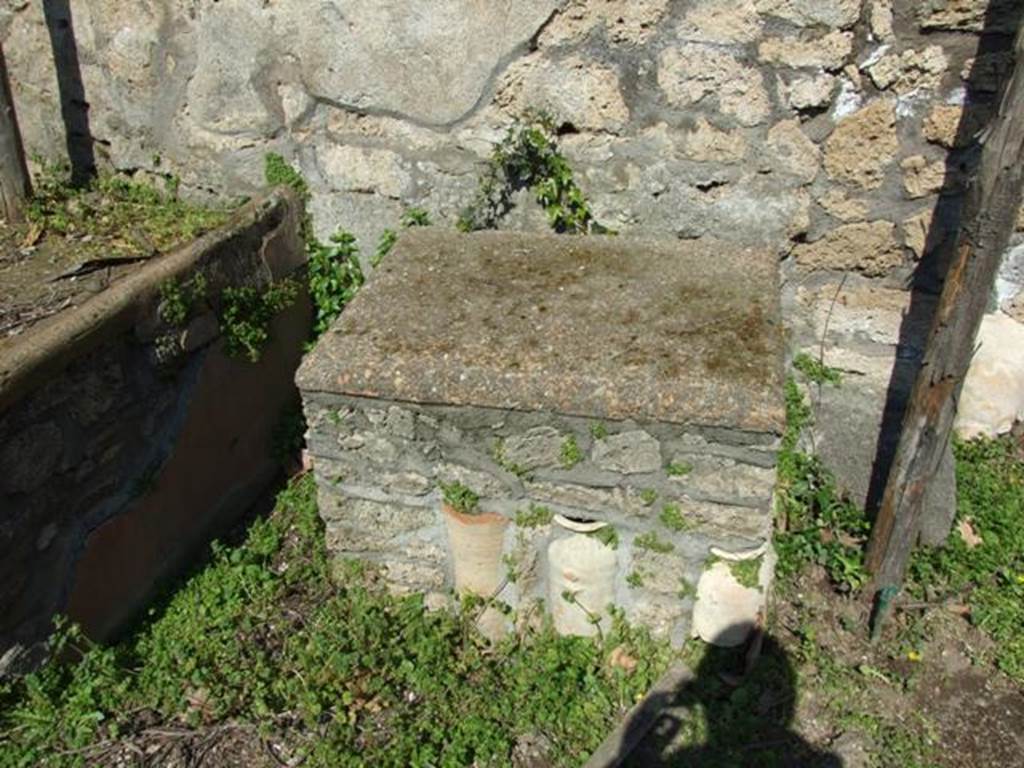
(848, 101)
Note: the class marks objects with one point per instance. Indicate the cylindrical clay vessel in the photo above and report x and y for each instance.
(584, 567)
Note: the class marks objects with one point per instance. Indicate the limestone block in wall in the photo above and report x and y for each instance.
(839, 14)
(992, 398)
(867, 247)
(915, 232)
(908, 71)
(837, 203)
(584, 498)
(484, 483)
(715, 21)
(693, 73)
(225, 94)
(708, 144)
(968, 15)
(863, 145)
(922, 232)
(760, 209)
(358, 169)
(429, 63)
(807, 91)
(922, 178)
(792, 152)
(942, 126)
(537, 447)
(624, 22)
(583, 93)
(725, 481)
(880, 18)
(630, 453)
(362, 525)
(829, 52)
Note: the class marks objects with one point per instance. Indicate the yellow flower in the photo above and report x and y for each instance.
(914, 656)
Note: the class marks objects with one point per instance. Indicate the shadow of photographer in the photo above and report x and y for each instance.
(732, 710)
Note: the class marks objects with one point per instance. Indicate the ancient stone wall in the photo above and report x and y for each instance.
(667, 494)
(127, 440)
(835, 132)
(819, 128)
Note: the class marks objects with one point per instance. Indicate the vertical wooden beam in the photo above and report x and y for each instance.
(990, 210)
(15, 187)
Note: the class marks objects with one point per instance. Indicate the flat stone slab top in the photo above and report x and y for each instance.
(678, 331)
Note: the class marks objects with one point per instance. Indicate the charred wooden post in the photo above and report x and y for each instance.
(15, 187)
(990, 210)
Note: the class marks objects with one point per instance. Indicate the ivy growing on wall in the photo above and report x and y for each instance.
(246, 314)
(528, 157)
(334, 270)
(335, 277)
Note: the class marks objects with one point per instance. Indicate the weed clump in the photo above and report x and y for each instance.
(117, 215)
(816, 524)
(528, 157)
(246, 314)
(988, 570)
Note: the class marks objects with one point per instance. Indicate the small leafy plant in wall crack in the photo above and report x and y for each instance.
(816, 371)
(246, 314)
(503, 461)
(746, 572)
(653, 543)
(607, 536)
(413, 217)
(528, 157)
(672, 518)
(177, 300)
(570, 454)
(535, 516)
(334, 271)
(686, 589)
(335, 277)
(679, 469)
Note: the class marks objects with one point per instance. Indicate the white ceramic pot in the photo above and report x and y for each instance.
(584, 567)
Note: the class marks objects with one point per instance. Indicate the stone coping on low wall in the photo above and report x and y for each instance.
(681, 331)
(27, 359)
